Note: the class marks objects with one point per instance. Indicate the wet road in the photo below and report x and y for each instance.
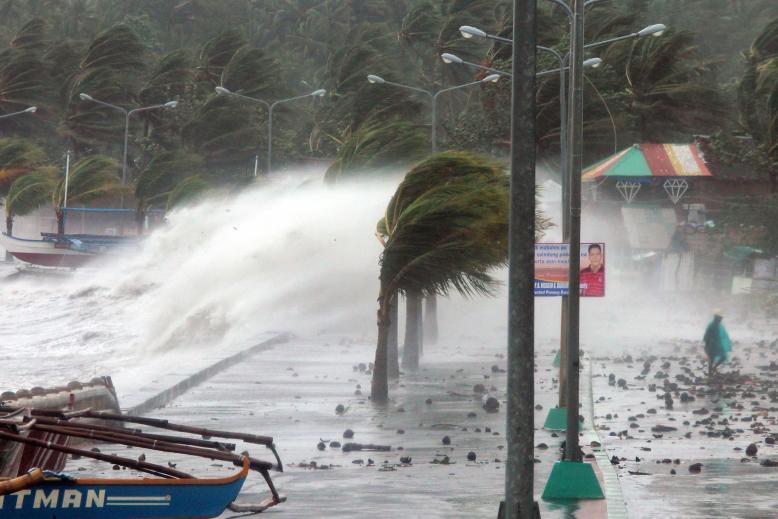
(708, 423)
(291, 393)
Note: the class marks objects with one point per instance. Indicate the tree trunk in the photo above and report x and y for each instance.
(61, 222)
(420, 326)
(393, 357)
(412, 331)
(9, 227)
(431, 319)
(140, 218)
(380, 385)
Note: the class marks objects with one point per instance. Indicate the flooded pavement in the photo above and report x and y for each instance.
(292, 392)
(688, 446)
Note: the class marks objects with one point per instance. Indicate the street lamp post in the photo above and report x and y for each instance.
(492, 78)
(572, 154)
(474, 32)
(519, 467)
(378, 80)
(431, 330)
(127, 115)
(270, 107)
(452, 58)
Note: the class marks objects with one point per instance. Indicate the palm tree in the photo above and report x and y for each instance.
(758, 98)
(90, 178)
(18, 157)
(445, 227)
(217, 53)
(440, 237)
(669, 92)
(110, 71)
(378, 145)
(186, 191)
(160, 178)
(27, 193)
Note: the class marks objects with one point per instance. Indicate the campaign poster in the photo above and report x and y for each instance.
(551, 267)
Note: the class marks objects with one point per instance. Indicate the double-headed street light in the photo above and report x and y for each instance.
(270, 107)
(571, 148)
(378, 80)
(127, 115)
(452, 58)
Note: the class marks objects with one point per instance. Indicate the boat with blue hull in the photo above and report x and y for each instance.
(59, 496)
(169, 493)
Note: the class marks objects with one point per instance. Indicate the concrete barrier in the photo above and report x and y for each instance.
(164, 397)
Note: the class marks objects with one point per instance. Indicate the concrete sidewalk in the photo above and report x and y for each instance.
(291, 392)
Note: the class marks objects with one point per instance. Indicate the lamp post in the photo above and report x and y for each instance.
(468, 32)
(492, 78)
(270, 107)
(127, 115)
(519, 466)
(430, 323)
(452, 58)
(378, 80)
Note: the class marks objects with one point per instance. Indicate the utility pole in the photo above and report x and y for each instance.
(575, 165)
(519, 469)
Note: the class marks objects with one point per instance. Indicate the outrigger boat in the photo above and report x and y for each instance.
(170, 494)
(63, 250)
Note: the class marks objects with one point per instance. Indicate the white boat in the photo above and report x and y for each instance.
(61, 250)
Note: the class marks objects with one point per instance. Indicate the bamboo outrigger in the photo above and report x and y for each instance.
(174, 494)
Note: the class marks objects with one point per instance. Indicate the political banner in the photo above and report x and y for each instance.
(551, 269)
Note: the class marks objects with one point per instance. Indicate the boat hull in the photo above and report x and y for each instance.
(44, 253)
(119, 499)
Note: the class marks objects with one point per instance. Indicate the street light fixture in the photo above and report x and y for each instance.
(452, 58)
(127, 115)
(378, 80)
(30, 110)
(467, 31)
(270, 107)
(655, 30)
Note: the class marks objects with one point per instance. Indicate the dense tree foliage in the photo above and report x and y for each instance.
(691, 80)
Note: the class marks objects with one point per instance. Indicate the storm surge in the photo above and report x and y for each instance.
(289, 254)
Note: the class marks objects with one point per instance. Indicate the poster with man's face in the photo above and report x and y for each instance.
(551, 269)
(593, 270)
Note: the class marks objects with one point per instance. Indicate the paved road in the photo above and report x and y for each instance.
(291, 393)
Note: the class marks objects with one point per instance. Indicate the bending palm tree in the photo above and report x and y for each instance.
(90, 178)
(441, 239)
(18, 157)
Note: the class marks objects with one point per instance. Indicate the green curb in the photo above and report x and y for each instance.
(556, 361)
(556, 419)
(617, 508)
(572, 480)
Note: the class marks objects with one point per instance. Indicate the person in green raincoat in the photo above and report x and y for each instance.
(717, 344)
